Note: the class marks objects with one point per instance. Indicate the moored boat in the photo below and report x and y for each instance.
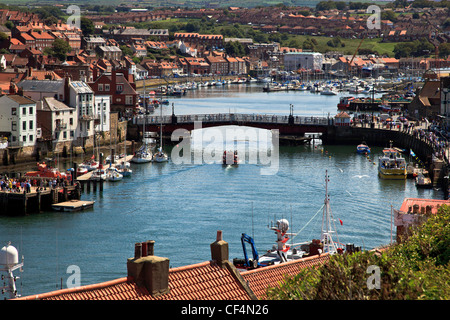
(392, 165)
(44, 171)
(82, 169)
(363, 148)
(160, 156)
(423, 180)
(99, 174)
(284, 252)
(112, 174)
(230, 158)
(328, 91)
(344, 103)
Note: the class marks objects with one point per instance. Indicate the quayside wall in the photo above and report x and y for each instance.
(378, 137)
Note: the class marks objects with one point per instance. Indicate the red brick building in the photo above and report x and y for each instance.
(119, 85)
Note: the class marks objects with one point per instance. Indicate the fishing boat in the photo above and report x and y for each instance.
(423, 180)
(112, 174)
(363, 148)
(230, 158)
(44, 171)
(283, 251)
(344, 103)
(392, 165)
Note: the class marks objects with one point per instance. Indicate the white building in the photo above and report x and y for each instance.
(303, 60)
(81, 97)
(57, 121)
(102, 112)
(18, 120)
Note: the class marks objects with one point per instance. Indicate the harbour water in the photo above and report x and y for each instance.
(182, 206)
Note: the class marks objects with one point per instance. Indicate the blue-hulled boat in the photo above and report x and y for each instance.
(363, 148)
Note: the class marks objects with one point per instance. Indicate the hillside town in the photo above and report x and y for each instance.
(61, 85)
(83, 82)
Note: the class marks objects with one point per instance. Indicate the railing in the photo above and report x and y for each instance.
(233, 117)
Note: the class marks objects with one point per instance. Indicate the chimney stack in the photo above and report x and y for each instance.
(219, 250)
(148, 270)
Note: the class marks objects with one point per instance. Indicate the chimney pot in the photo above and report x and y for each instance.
(137, 250)
(219, 250)
(151, 272)
(143, 246)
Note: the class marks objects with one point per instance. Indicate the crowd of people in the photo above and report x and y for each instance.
(438, 142)
(24, 184)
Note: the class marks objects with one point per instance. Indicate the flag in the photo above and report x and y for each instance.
(412, 153)
(340, 221)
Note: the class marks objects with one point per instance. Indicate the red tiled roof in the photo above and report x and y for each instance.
(259, 280)
(434, 204)
(202, 281)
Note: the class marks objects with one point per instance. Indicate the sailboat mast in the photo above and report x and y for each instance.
(160, 132)
(326, 221)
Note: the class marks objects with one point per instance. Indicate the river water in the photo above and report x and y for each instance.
(181, 206)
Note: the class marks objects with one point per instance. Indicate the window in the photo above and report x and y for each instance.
(100, 87)
(13, 125)
(128, 100)
(30, 110)
(106, 87)
(24, 125)
(119, 88)
(24, 111)
(30, 124)
(24, 138)
(71, 121)
(13, 111)
(65, 134)
(31, 138)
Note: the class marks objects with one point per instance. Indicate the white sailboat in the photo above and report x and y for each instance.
(112, 174)
(328, 91)
(144, 154)
(160, 156)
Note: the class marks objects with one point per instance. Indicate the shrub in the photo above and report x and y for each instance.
(417, 269)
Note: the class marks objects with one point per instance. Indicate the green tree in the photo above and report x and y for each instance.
(444, 50)
(234, 49)
(87, 26)
(127, 51)
(59, 49)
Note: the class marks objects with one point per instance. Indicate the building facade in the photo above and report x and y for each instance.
(18, 120)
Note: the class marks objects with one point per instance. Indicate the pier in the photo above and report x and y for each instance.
(37, 199)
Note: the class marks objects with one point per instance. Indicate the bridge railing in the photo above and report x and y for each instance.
(233, 117)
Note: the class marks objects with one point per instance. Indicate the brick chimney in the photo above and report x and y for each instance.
(219, 250)
(148, 270)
